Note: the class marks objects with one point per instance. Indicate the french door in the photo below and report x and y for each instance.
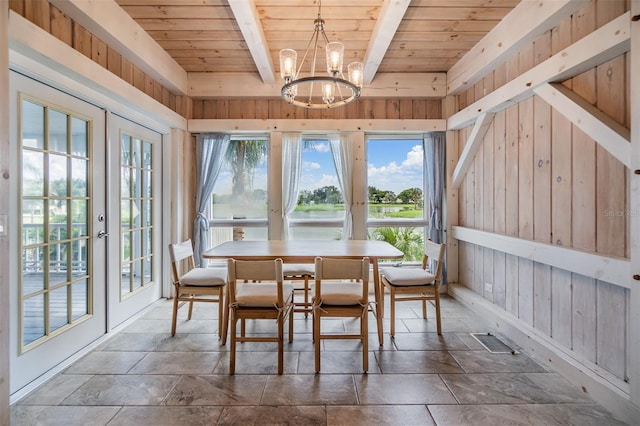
(135, 213)
(58, 287)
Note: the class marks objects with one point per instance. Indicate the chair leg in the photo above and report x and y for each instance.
(291, 323)
(281, 344)
(438, 321)
(232, 350)
(392, 297)
(175, 314)
(424, 308)
(220, 302)
(225, 316)
(306, 296)
(316, 338)
(190, 308)
(364, 331)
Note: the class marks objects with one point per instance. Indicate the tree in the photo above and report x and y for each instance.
(327, 195)
(243, 156)
(411, 195)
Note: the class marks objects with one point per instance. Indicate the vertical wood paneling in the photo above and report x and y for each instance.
(542, 195)
(583, 333)
(611, 337)
(61, 26)
(525, 193)
(561, 306)
(499, 199)
(38, 12)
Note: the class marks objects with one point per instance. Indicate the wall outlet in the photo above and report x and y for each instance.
(488, 288)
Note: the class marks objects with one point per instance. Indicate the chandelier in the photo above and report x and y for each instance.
(320, 91)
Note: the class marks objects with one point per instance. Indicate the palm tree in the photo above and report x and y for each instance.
(404, 239)
(243, 156)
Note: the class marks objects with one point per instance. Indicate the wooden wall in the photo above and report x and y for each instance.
(537, 177)
(278, 109)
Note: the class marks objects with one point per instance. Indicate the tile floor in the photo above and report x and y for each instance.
(143, 376)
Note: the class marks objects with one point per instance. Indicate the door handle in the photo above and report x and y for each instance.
(102, 234)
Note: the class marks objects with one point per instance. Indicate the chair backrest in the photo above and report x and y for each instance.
(434, 252)
(177, 253)
(328, 268)
(254, 270)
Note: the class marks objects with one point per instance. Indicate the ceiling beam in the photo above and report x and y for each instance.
(471, 148)
(391, 14)
(390, 126)
(111, 24)
(608, 133)
(527, 21)
(248, 20)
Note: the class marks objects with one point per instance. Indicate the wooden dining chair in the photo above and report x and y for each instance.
(341, 290)
(257, 291)
(197, 285)
(421, 283)
(303, 272)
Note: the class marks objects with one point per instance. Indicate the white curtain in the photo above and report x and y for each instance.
(291, 170)
(434, 160)
(210, 151)
(342, 151)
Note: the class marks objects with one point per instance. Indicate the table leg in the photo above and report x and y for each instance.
(379, 294)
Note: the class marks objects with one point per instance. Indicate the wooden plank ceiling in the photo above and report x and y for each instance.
(390, 36)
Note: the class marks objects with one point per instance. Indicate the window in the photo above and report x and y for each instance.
(319, 214)
(238, 207)
(396, 194)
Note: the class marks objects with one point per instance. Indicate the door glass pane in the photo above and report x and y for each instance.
(79, 177)
(79, 135)
(59, 303)
(136, 224)
(57, 131)
(79, 299)
(33, 125)
(54, 217)
(33, 173)
(33, 318)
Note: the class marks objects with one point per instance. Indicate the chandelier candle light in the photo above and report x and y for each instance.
(320, 91)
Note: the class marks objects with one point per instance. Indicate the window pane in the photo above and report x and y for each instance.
(316, 233)
(320, 196)
(395, 178)
(240, 191)
(395, 174)
(57, 176)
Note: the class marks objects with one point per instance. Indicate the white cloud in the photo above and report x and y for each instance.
(321, 147)
(396, 177)
(310, 165)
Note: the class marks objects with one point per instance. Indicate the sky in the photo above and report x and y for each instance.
(393, 165)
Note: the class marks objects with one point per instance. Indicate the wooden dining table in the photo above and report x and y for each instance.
(305, 251)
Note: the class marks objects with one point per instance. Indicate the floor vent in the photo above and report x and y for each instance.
(492, 344)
